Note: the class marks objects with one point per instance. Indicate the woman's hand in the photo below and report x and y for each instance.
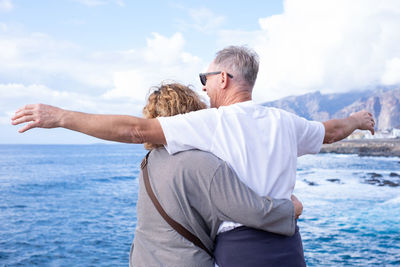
(38, 116)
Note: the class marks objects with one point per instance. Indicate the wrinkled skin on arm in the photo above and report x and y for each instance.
(120, 128)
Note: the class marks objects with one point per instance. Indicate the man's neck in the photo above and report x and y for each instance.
(236, 97)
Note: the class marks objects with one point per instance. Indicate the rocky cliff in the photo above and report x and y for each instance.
(372, 147)
(383, 103)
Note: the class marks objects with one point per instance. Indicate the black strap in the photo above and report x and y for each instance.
(174, 224)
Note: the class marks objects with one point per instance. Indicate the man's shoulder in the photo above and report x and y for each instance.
(190, 115)
(255, 110)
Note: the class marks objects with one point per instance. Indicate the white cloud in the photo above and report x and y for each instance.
(330, 45)
(6, 5)
(14, 96)
(36, 67)
(163, 49)
(128, 84)
(37, 58)
(391, 76)
(162, 59)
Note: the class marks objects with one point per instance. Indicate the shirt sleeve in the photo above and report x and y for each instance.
(233, 201)
(193, 130)
(310, 135)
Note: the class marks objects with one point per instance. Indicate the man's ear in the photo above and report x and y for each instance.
(224, 80)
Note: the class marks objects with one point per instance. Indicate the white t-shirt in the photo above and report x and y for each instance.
(261, 144)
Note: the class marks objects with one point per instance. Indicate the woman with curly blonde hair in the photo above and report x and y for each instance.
(168, 100)
(197, 190)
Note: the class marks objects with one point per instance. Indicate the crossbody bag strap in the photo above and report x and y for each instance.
(174, 224)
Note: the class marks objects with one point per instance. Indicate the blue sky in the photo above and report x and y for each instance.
(102, 56)
(123, 25)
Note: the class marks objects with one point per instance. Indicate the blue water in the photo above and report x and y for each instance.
(76, 206)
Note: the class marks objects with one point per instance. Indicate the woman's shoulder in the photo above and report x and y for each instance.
(189, 160)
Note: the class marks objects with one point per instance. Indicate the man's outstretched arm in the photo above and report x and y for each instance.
(338, 129)
(120, 128)
(232, 200)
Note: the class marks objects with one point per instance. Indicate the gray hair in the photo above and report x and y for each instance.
(240, 60)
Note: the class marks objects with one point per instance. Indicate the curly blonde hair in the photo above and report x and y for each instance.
(168, 100)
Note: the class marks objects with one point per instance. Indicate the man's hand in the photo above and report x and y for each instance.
(338, 129)
(298, 207)
(38, 115)
(364, 120)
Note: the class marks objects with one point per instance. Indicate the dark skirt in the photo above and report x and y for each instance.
(244, 246)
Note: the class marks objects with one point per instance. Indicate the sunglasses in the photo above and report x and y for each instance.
(203, 76)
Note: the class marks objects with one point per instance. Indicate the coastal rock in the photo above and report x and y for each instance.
(377, 179)
(389, 183)
(381, 182)
(373, 181)
(334, 180)
(310, 182)
(393, 174)
(374, 175)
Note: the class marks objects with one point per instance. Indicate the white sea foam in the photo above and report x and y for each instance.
(395, 200)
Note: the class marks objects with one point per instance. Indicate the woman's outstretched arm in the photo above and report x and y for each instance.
(120, 128)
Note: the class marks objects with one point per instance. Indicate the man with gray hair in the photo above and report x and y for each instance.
(260, 144)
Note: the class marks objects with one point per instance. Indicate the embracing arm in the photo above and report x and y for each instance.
(338, 129)
(120, 128)
(233, 201)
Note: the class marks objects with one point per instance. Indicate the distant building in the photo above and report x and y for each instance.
(396, 133)
(385, 134)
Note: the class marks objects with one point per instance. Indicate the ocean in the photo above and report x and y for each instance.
(75, 205)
